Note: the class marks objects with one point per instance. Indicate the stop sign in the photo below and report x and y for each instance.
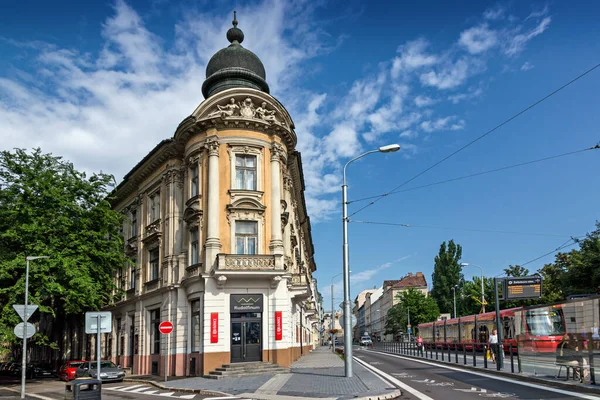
(165, 327)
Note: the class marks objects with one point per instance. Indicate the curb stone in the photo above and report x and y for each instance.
(505, 374)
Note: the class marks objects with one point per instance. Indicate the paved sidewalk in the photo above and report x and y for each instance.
(317, 375)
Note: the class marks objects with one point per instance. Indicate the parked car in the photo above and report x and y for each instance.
(67, 370)
(42, 370)
(109, 372)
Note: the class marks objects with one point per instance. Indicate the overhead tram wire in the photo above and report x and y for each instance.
(596, 147)
(523, 111)
(566, 244)
(459, 229)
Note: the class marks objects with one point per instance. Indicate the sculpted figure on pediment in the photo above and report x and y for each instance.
(266, 115)
(228, 110)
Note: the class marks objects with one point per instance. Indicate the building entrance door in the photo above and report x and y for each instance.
(246, 337)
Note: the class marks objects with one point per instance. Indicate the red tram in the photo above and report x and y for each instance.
(535, 329)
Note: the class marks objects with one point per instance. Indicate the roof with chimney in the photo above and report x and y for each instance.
(411, 280)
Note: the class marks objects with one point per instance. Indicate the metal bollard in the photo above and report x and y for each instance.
(464, 354)
(436, 352)
(512, 365)
(474, 358)
(485, 356)
(456, 353)
(499, 356)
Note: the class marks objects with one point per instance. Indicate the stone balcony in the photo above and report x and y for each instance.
(192, 271)
(299, 286)
(249, 265)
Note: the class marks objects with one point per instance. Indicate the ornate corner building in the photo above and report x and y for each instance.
(218, 235)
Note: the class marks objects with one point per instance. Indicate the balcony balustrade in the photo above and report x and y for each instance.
(246, 262)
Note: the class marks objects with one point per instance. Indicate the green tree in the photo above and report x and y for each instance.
(48, 208)
(583, 266)
(422, 309)
(469, 301)
(516, 271)
(447, 272)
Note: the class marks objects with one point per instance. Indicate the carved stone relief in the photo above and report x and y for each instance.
(246, 109)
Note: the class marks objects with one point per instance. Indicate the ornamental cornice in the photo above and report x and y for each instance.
(242, 109)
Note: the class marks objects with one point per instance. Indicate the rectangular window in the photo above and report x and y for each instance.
(132, 274)
(118, 331)
(134, 223)
(245, 172)
(246, 237)
(120, 279)
(195, 328)
(195, 181)
(154, 207)
(194, 246)
(154, 332)
(153, 264)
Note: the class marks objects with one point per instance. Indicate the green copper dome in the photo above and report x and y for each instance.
(234, 66)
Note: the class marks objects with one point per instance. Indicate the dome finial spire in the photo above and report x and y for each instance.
(235, 34)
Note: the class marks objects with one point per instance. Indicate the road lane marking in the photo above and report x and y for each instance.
(402, 385)
(141, 389)
(473, 389)
(127, 388)
(491, 376)
(37, 396)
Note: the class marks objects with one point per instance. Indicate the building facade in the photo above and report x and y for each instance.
(218, 235)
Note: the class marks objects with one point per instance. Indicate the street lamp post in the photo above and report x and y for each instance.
(25, 318)
(482, 298)
(454, 296)
(347, 322)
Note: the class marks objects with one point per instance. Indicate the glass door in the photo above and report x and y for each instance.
(237, 348)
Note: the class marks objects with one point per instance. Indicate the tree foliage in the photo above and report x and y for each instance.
(447, 272)
(422, 309)
(47, 208)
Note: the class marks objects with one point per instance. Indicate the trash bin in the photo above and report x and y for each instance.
(83, 389)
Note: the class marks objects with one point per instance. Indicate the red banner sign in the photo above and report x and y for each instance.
(278, 325)
(214, 327)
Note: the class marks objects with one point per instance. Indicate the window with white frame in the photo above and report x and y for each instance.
(154, 206)
(245, 172)
(195, 326)
(153, 264)
(195, 181)
(246, 237)
(133, 223)
(194, 246)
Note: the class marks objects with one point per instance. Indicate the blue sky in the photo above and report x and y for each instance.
(102, 83)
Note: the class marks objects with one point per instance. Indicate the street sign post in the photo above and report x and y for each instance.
(20, 309)
(98, 322)
(165, 328)
(20, 330)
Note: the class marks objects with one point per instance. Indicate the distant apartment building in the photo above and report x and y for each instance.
(359, 313)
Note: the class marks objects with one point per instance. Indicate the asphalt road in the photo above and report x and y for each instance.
(51, 389)
(427, 381)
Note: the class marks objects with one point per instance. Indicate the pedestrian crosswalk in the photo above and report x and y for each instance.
(148, 390)
(152, 391)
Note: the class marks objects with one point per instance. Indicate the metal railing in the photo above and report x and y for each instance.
(541, 364)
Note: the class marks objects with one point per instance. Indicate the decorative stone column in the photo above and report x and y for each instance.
(277, 154)
(213, 243)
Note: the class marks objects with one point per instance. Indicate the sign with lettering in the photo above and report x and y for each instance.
(214, 327)
(246, 303)
(523, 287)
(278, 325)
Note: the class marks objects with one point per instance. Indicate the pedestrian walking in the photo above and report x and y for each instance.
(420, 345)
(493, 342)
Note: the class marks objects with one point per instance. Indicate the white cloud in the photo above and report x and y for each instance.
(424, 101)
(451, 123)
(447, 77)
(471, 94)
(517, 43)
(413, 55)
(527, 66)
(494, 13)
(478, 39)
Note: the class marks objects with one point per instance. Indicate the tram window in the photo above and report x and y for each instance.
(544, 322)
(483, 334)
